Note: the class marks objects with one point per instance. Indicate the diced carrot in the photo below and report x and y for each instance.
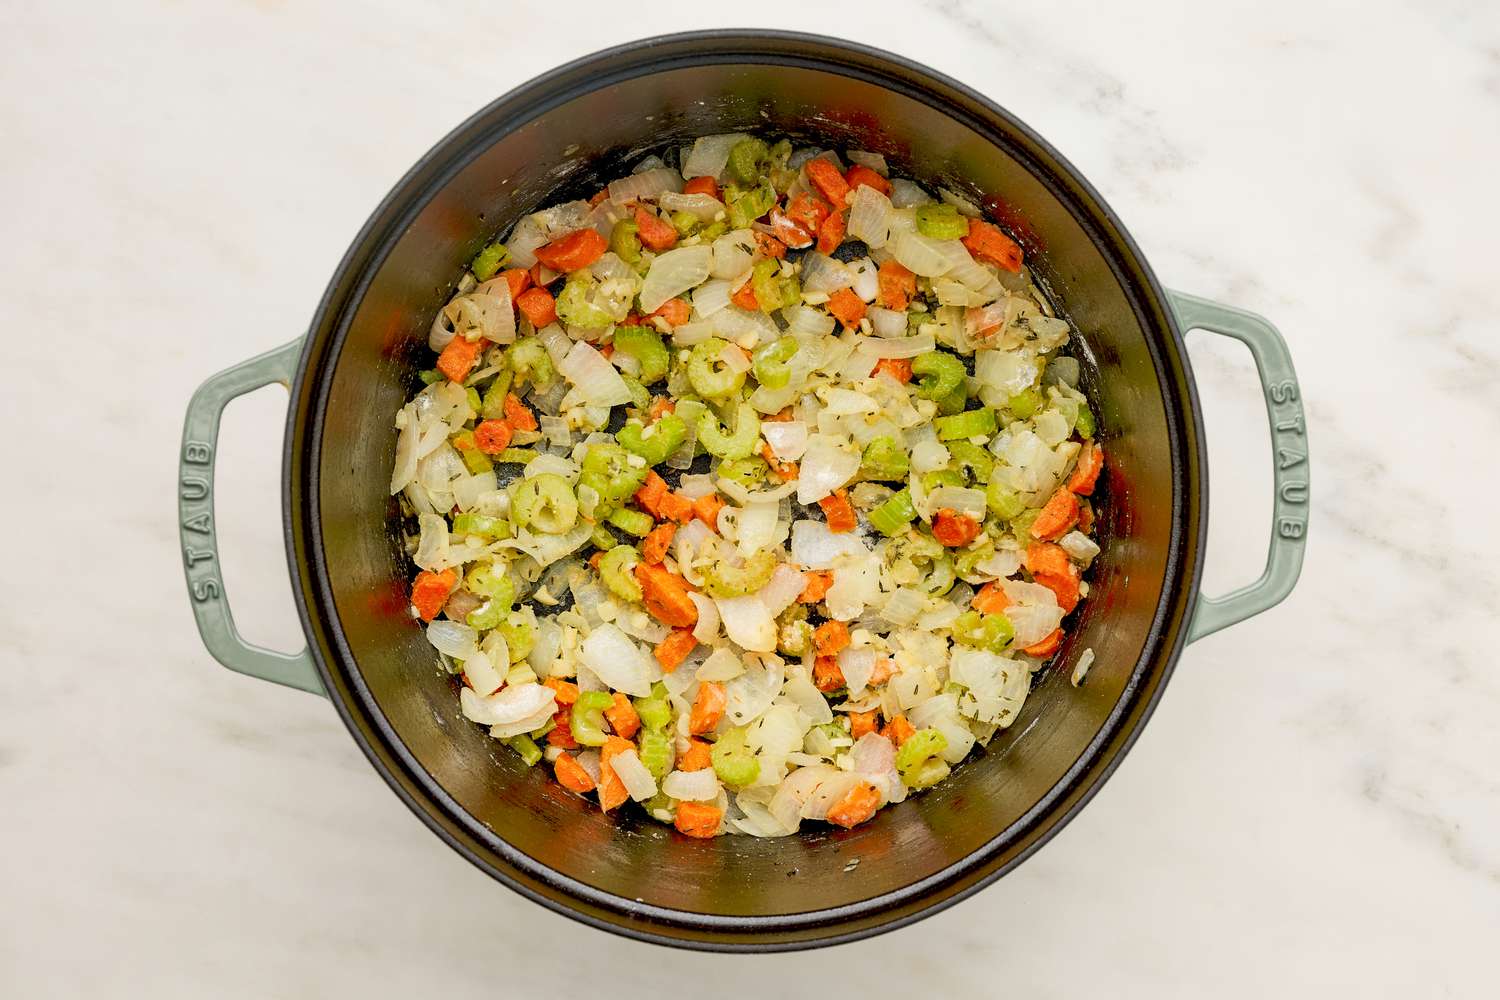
(519, 279)
(831, 638)
(675, 311)
(655, 232)
(897, 285)
(831, 232)
(954, 529)
(839, 511)
(571, 775)
(708, 708)
(788, 231)
(827, 677)
(816, 587)
(654, 545)
(1058, 516)
(1050, 566)
(706, 509)
(517, 415)
(1064, 585)
(458, 358)
(786, 470)
(808, 210)
(698, 819)
(542, 275)
(744, 297)
(769, 246)
(1085, 517)
(538, 306)
(660, 407)
(861, 723)
(1044, 557)
(857, 805)
(861, 174)
(573, 251)
(672, 650)
(650, 494)
(608, 350)
(884, 671)
(897, 368)
(595, 560)
(848, 307)
(599, 196)
(898, 730)
(623, 718)
(566, 692)
(612, 791)
(699, 755)
(827, 179)
(991, 600)
(1086, 472)
(665, 595)
(702, 185)
(429, 591)
(1045, 646)
(561, 734)
(492, 436)
(676, 507)
(987, 242)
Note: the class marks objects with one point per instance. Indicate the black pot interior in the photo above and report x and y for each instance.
(564, 136)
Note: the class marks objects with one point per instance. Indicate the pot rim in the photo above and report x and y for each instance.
(480, 845)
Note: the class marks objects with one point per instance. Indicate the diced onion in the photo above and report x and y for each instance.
(787, 438)
(733, 253)
(887, 322)
(747, 622)
(673, 273)
(856, 665)
(920, 254)
(815, 547)
(705, 206)
(706, 629)
(710, 297)
(869, 217)
(638, 782)
(710, 154)
(618, 661)
(597, 380)
(692, 786)
(829, 462)
(645, 186)
(821, 273)
(784, 587)
(516, 702)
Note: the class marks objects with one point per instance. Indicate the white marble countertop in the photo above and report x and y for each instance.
(1314, 808)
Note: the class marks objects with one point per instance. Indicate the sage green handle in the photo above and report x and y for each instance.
(1289, 468)
(200, 546)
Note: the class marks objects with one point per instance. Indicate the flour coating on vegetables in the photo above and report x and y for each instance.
(753, 489)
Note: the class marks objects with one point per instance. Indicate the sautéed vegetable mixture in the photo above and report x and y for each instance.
(752, 491)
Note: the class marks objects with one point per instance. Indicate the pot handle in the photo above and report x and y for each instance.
(195, 508)
(1289, 471)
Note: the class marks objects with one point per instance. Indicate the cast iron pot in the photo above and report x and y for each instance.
(561, 135)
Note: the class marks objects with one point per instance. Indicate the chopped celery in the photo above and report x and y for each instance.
(772, 288)
(516, 456)
(527, 748)
(893, 515)
(624, 241)
(770, 362)
(487, 263)
(685, 222)
(487, 615)
(724, 579)
(748, 472)
(519, 635)
(587, 717)
(1084, 424)
(655, 710)
(1026, 402)
(602, 540)
(738, 444)
(747, 206)
(971, 459)
(992, 632)
(708, 374)
(1003, 503)
(733, 761)
(486, 580)
(476, 461)
(657, 442)
(656, 753)
(938, 374)
(483, 525)
(632, 522)
(941, 221)
(529, 360)
(616, 570)
(544, 503)
(884, 459)
(968, 424)
(646, 347)
(748, 160)
(607, 469)
(919, 760)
